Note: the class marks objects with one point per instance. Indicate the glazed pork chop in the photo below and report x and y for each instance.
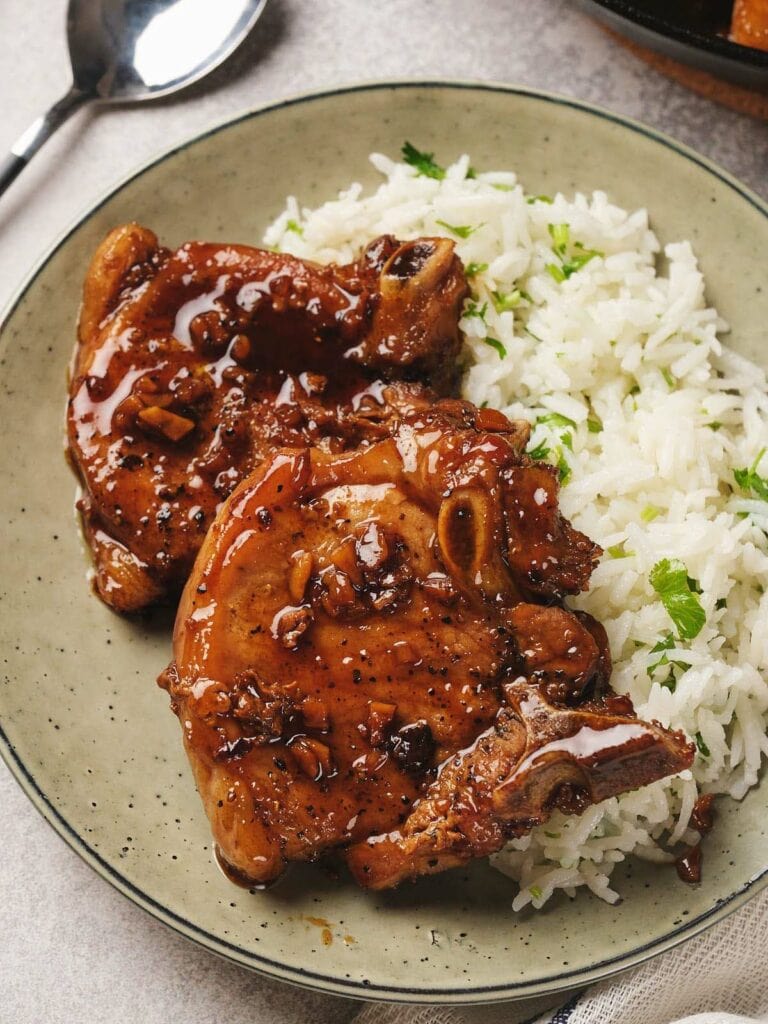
(372, 654)
(193, 366)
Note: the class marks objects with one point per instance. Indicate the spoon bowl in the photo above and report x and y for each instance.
(128, 51)
(135, 50)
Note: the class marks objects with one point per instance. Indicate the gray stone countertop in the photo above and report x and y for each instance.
(72, 948)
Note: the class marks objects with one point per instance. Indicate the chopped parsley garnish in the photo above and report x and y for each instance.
(541, 451)
(475, 268)
(560, 235)
(423, 162)
(670, 380)
(594, 424)
(569, 263)
(557, 420)
(617, 551)
(563, 469)
(294, 226)
(503, 188)
(473, 309)
(555, 272)
(667, 643)
(579, 259)
(649, 513)
(535, 891)
(504, 302)
(715, 425)
(534, 336)
(460, 230)
(720, 603)
(471, 172)
(539, 199)
(703, 748)
(750, 480)
(670, 579)
(495, 343)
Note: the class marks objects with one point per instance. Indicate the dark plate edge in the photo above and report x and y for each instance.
(743, 56)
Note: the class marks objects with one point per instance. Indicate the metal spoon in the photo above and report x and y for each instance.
(126, 51)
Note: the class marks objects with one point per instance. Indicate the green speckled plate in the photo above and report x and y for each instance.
(84, 728)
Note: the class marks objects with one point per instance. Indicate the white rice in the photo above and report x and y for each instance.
(628, 343)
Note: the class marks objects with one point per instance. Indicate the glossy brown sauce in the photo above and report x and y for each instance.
(703, 814)
(212, 358)
(689, 863)
(328, 667)
(326, 934)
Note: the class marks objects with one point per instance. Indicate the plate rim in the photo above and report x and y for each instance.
(315, 980)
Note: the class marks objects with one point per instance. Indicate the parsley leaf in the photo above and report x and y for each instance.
(703, 748)
(503, 303)
(539, 199)
(473, 309)
(535, 891)
(579, 260)
(666, 643)
(715, 425)
(669, 578)
(541, 451)
(495, 343)
(294, 226)
(579, 257)
(668, 378)
(617, 551)
(594, 424)
(475, 268)
(423, 162)
(460, 230)
(556, 419)
(563, 469)
(649, 513)
(750, 480)
(720, 603)
(560, 235)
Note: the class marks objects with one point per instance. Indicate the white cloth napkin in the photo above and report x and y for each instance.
(720, 977)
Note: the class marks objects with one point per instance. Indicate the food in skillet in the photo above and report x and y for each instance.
(749, 24)
(371, 653)
(192, 366)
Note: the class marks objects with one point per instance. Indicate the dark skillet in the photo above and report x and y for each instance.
(694, 32)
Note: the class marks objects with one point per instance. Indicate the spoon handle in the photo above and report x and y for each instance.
(38, 132)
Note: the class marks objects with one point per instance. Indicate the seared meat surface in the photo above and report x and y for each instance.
(370, 654)
(193, 366)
